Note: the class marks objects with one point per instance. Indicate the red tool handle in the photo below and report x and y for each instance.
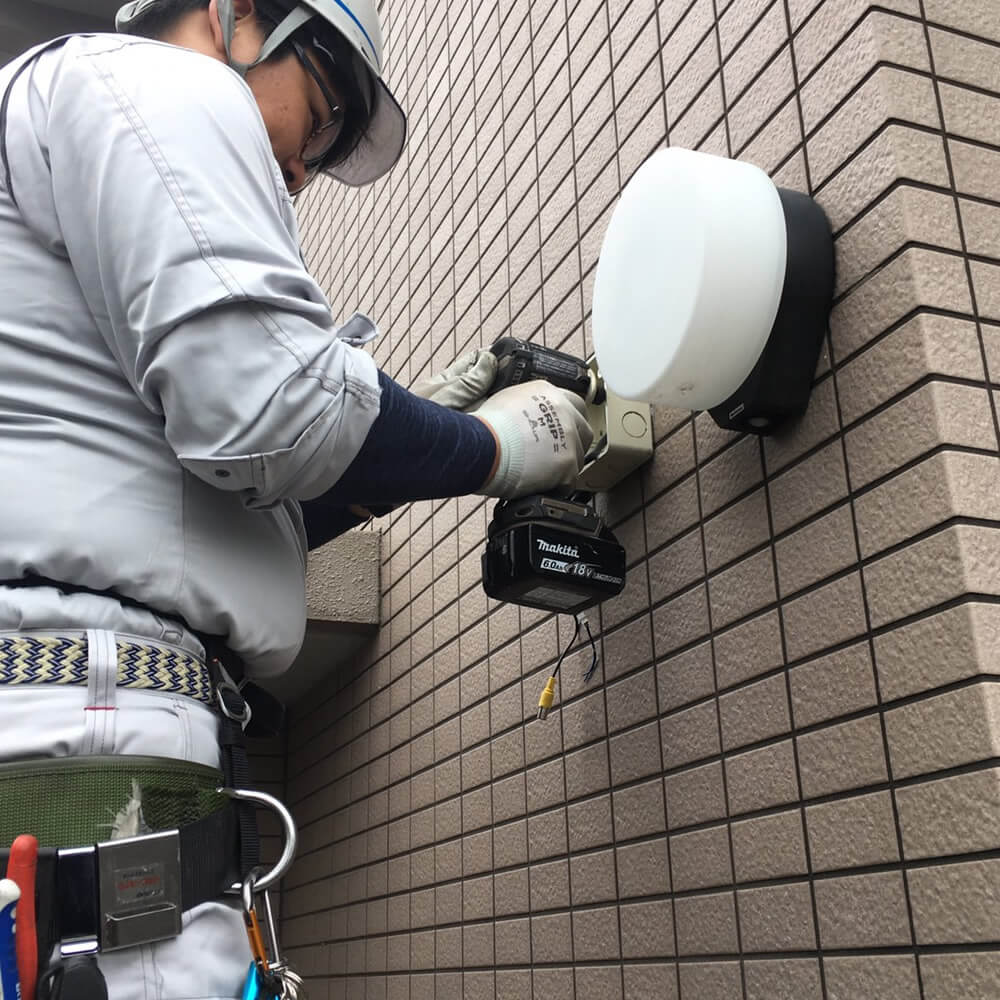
(21, 867)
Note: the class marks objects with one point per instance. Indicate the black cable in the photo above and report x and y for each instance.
(572, 642)
(592, 669)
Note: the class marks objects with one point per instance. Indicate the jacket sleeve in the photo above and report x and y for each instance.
(183, 238)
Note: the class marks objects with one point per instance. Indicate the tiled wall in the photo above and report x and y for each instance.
(784, 782)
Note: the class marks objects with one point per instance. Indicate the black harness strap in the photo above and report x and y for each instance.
(66, 895)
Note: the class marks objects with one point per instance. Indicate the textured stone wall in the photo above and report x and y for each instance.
(783, 782)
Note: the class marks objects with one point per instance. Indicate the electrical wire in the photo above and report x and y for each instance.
(548, 693)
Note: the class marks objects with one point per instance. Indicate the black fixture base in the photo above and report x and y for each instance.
(778, 388)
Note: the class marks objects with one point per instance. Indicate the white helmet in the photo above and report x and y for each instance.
(357, 21)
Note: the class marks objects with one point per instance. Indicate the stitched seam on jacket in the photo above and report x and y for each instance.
(198, 234)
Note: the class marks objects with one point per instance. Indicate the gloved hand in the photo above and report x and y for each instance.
(543, 435)
(462, 383)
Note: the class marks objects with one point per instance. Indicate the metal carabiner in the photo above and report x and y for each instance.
(291, 835)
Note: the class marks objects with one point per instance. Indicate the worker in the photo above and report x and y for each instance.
(181, 417)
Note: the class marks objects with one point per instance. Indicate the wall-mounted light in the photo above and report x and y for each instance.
(713, 291)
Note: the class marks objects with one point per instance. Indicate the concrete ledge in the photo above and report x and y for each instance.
(343, 594)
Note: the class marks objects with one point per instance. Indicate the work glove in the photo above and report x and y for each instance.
(462, 383)
(543, 435)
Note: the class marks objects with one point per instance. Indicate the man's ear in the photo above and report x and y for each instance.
(241, 9)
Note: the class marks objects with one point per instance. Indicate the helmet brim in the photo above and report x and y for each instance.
(379, 151)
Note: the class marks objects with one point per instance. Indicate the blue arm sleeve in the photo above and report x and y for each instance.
(415, 450)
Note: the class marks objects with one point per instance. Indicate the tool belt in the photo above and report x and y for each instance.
(158, 837)
(184, 848)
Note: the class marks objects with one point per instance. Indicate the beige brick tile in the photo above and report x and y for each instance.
(937, 650)
(685, 678)
(837, 684)
(690, 735)
(711, 980)
(924, 345)
(970, 115)
(797, 437)
(917, 278)
(777, 918)
(595, 934)
(958, 560)
(754, 713)
(673, 513)
(769, 847)
(980, 223)
(737, 470)
(842, 757)
(745, 60)
(761, 99)
(632, 700)
(691, 128)
(672, 460)
(965, 60)
(706, 925)
(742, 589)
(749, 649)
(647, 930)
(736, 530)
(973, 974)
(809, 487)
(974, 910)
(639, 811)
(820, 549)
(635, 754)
(675, 568)
(927, 814)
(512, 941)
(946, 730)
(825, 617)
(986, 281)
(862, 911)
(852, 833)
(783, 979)
(906, 215)
(762, 778)
(681, 621)
(978, 17)
(975, 169)
(701, 859)
(650, 980)
(773, 143)
(887, 94)
(681, 35)
(643, 869)
(935, 414)
(878, 38)
(551, 938)
(889, 977)
(991, 341)
(689, 82)
(830, 25)
(695, 796)
(598, 983)
(949, 484)
(736, 23)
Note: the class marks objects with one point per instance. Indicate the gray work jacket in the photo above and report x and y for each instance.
(171, 381)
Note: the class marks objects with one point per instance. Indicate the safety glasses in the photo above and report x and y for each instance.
(322, 140)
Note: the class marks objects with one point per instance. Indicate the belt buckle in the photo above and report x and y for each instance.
(140, 889)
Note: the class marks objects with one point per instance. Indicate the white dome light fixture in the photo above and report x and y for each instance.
(713, 291)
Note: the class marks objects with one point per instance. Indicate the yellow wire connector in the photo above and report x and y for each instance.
(545, 700)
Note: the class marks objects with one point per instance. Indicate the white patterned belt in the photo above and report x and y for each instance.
(26, 659)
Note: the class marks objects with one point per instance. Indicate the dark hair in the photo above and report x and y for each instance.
(161, 18)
